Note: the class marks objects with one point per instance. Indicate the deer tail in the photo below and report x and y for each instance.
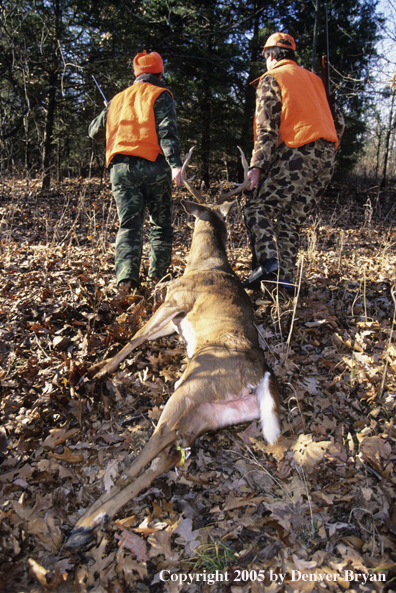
(268, 400)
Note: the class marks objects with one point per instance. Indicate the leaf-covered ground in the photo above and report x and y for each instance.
(315, 512)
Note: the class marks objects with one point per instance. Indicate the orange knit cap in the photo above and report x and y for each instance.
(144, 62)
(280, 40)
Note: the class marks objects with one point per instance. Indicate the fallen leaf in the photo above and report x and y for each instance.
(233, 502)
(58, 436)
(374, 448)
(101, 557)
(49, 579)
(187, 536)
(110, 473)
(133, 543)
(161, 544)
(47, 532)
(308, 453)
(67, 456)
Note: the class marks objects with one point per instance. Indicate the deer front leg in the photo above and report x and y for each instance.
(84, 529)
(158, 326)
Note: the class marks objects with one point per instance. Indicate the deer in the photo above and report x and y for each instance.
(226, 380)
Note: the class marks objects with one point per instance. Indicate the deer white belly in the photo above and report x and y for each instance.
(236, 410)
(186, 330)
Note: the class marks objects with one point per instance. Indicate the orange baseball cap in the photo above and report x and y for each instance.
(144, 62)
(280, 40)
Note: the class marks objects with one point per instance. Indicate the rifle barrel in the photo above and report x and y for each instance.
(327, 51)
(100, 90)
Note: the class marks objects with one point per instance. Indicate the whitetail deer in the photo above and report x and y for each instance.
(226, 380)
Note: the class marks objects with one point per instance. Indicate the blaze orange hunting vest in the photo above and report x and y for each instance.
(306, 114)
(130, 123)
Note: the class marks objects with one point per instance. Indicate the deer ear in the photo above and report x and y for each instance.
(224, 209)
(193, 208)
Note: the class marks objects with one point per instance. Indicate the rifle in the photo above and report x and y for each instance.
(100, 90)
(326, 66)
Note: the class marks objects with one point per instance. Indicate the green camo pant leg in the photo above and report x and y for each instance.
(136, 183)
(128, 191)
(159, 203)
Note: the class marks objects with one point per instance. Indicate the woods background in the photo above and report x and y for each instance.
(212, 51)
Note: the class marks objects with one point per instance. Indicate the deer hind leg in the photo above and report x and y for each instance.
(268, 400)
(154, 447)
(84, 529)
(159, 325)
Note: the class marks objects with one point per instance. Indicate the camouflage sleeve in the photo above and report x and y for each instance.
(97, 127)
(267, 118)
(339, 122)
(165, 122)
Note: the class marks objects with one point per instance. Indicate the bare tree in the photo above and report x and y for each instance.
(388, 132)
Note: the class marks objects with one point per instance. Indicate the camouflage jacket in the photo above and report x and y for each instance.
(165, 123)
(268, 119)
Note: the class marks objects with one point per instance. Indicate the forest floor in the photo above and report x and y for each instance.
(314, 512)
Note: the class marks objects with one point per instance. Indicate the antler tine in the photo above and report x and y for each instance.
(240, 186)
(195, 192)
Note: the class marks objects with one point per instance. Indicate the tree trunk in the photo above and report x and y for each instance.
(51, 100)
(315, 35)
(205, 140)
(387, 141)
(206, 115)
(48, 132)
(245, 141)
(378, 153)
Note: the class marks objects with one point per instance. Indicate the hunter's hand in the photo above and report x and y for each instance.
(254, 176)
(176, 175)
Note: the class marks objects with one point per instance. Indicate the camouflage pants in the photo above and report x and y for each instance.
(137, 183)
(283, 201)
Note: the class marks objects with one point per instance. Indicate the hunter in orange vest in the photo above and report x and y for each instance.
(295, 139)
(143, 155)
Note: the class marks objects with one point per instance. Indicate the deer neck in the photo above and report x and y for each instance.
(207, 249)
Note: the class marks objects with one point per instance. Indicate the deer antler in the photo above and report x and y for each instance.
(195, 192)
(240, 186)
(223, 197)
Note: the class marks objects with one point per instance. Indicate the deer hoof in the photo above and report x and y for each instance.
(99, 375)
(79, 536)
(82, 534)
(105, 369)
(96, 369)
